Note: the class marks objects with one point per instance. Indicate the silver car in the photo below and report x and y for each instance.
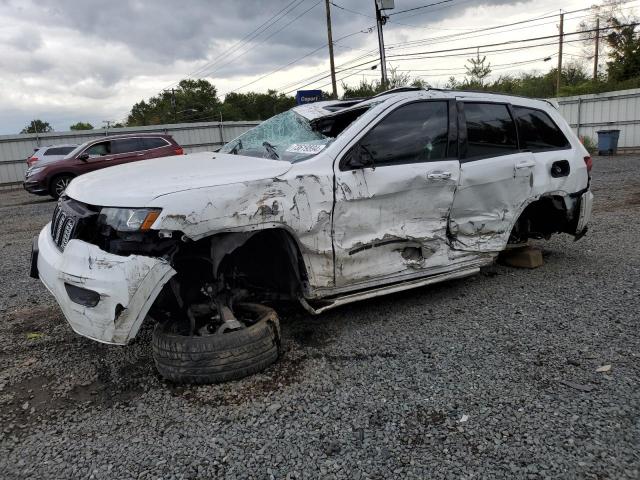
(50, 153)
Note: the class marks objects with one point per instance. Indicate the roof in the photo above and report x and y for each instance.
(320, 109)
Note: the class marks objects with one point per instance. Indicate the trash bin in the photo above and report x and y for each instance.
(607, 141)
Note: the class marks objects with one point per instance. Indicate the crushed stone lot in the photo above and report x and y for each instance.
(492, 376)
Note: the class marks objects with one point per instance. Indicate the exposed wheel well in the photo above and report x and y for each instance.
(544, 217)
(264, 264)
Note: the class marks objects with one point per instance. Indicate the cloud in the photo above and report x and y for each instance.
(97, 58)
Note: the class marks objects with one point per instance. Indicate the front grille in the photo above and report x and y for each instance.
(63, 227)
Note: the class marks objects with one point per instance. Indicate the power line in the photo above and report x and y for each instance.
(253, 47)
(421, 7)
(446, 37)
(488, 45)
(236, 46)
(292, 62)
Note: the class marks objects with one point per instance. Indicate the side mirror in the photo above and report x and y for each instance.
(84, 157)
(359, 157)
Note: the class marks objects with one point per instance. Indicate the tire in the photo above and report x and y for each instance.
(59, 184)
(219, 357)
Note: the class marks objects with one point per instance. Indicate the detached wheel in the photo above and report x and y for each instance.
(219, 357)
(59, 184)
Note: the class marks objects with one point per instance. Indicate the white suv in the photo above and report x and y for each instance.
(325, 204)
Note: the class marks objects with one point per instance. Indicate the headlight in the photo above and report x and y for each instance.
(33, 171)
(129, 219)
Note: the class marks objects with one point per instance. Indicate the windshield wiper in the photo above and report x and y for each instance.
(236, 148)
(271, 150)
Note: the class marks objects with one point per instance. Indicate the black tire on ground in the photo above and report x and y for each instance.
(220, 357)
(59, 184)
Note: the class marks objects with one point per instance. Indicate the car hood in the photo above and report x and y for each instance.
(138, 183)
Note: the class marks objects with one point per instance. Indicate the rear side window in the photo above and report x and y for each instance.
(149, 143)
(59, 150)
(538, 132)
(490, 130)
(126, 145)
(417, 132)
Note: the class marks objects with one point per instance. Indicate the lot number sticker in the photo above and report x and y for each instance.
(309, 149)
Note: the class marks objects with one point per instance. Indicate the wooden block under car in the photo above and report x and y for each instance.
(525, 257)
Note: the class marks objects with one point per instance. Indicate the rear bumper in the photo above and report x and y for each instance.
(584, 216)
(127, 286)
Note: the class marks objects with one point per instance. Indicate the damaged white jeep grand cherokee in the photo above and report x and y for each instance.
(325, 204)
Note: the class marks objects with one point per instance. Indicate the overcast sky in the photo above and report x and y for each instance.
(65, 61)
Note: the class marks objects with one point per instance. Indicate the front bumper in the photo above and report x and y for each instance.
(127, 286)
(36, 187)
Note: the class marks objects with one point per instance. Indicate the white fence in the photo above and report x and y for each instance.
(605, 111)
(193, 137)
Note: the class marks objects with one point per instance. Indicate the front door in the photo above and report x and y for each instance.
(394, 188)
(496, 178)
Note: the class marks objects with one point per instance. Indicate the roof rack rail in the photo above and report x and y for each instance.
(491, 93)
(398, 90)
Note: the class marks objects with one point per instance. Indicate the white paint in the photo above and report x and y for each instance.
(132, 282)
(137, 184)
(381, 230)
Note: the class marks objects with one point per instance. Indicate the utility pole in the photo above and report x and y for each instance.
(330, 39)
(595, 56)
(173, 105)
(561, 37)
(381, 20)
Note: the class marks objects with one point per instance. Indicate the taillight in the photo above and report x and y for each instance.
(31, 161)
(178, 151)
(589, 163)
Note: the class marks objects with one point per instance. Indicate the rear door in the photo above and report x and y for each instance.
(551, 149)
(156, 147)
(393, 192)
(496, 177)
(126, 150)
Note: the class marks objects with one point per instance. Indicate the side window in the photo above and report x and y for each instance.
(151, 142)
(490, 130)
(538, 132)
(99, 149)
(126, 145)
(58, 150)
(417, 132)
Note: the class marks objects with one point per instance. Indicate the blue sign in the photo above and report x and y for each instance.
(308, 96)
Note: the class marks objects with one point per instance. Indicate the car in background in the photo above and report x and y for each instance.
(50, 153)
(52, 178)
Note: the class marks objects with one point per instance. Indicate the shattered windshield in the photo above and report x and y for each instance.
(287, 137)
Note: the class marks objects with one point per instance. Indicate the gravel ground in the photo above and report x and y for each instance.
(377, 389)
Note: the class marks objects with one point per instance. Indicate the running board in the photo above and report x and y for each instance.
(379, 291)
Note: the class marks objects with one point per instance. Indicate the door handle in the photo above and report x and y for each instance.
(525, 165)
(439, 175)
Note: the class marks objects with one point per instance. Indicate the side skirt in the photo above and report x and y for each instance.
(334, 302)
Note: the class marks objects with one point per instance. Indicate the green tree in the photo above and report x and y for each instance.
(191, 101)
(37, 126)
(255, 106)
(477, 71)
(624, 52)
(365, 88)
(81, 126)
